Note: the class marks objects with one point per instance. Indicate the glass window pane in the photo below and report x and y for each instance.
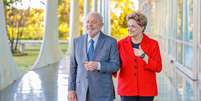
(179, 19)
(199, 62)
(179, 86)
(184, 89)
(199, 94)
(188, 91)
(179, 50)
(188, 56)
(190, 21)
(169, 46)
(199, 40)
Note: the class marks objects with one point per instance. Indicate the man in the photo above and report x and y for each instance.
(93, 60)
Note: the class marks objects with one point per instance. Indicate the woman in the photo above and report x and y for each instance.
(140, 60)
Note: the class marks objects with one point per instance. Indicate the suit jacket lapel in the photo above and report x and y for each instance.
(129, 48)
(85, 47)
(99, 44)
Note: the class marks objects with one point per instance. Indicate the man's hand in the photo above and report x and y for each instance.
(72, 96)
(91, 65)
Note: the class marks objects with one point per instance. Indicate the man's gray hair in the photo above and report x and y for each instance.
(97, 15)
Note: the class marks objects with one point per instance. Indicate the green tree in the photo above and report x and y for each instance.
(23, 24)
(7, 3)
(119, 10)
(63, 16)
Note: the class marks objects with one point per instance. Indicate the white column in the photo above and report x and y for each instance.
(147, 13)
(8, 68)
(199, 41)
(103, 14)
(74, 22)
(107, 17)
(174, 26)
(99, 7)
(196, 23)
(49, 52)
(86, 11)
(86, 7)
(196, 32)
(104, 10)
(95, 5)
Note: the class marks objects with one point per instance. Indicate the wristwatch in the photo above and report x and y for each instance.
(142, 56)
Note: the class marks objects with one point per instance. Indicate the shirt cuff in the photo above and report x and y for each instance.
(99, 66)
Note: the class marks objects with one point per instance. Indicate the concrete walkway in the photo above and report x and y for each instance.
(50, 84)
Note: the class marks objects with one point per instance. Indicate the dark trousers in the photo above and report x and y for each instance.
(137, 98)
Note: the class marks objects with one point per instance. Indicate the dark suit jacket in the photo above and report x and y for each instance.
(99, 82)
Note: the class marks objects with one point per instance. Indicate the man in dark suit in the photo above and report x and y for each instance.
(94, 59)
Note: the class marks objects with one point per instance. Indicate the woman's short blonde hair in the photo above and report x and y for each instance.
(140, 18)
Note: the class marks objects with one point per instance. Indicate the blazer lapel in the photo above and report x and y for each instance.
(85, 47)
(99, 44)
(144, 43)
(129, 48)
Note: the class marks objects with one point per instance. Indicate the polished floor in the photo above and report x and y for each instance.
(46, 84)
(50, 84)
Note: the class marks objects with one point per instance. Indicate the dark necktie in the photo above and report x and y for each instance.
(90, 52)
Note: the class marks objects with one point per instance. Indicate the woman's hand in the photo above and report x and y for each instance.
(139, 52)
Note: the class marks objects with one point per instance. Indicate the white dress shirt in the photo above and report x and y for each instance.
(95, 39)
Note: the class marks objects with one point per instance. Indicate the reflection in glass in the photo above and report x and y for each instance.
(184, 89)
(190, 21)
(62, 88)
(179, 87)
(33, 82)
(179, 50)
(200, 94)
(30, 85)
(199, 62)
(179, 19)
(169, 46)
(188, 56)
(188, 92)
(62, 81)
(200, 40)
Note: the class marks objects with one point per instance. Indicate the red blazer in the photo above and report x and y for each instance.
(137, 78)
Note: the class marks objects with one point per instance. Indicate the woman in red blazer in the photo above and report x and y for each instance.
(140, 61)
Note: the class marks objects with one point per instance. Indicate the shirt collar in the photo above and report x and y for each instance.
(94, 38)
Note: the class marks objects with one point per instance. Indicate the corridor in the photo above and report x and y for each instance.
(50, 84)
(175, 24)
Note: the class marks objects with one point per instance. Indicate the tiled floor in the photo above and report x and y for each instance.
(50, 84)
(46, 84)
(165, 89)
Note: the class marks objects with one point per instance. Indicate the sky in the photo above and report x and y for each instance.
(41, 4)
(30, 3)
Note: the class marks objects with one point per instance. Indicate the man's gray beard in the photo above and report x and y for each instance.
(95, 31)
